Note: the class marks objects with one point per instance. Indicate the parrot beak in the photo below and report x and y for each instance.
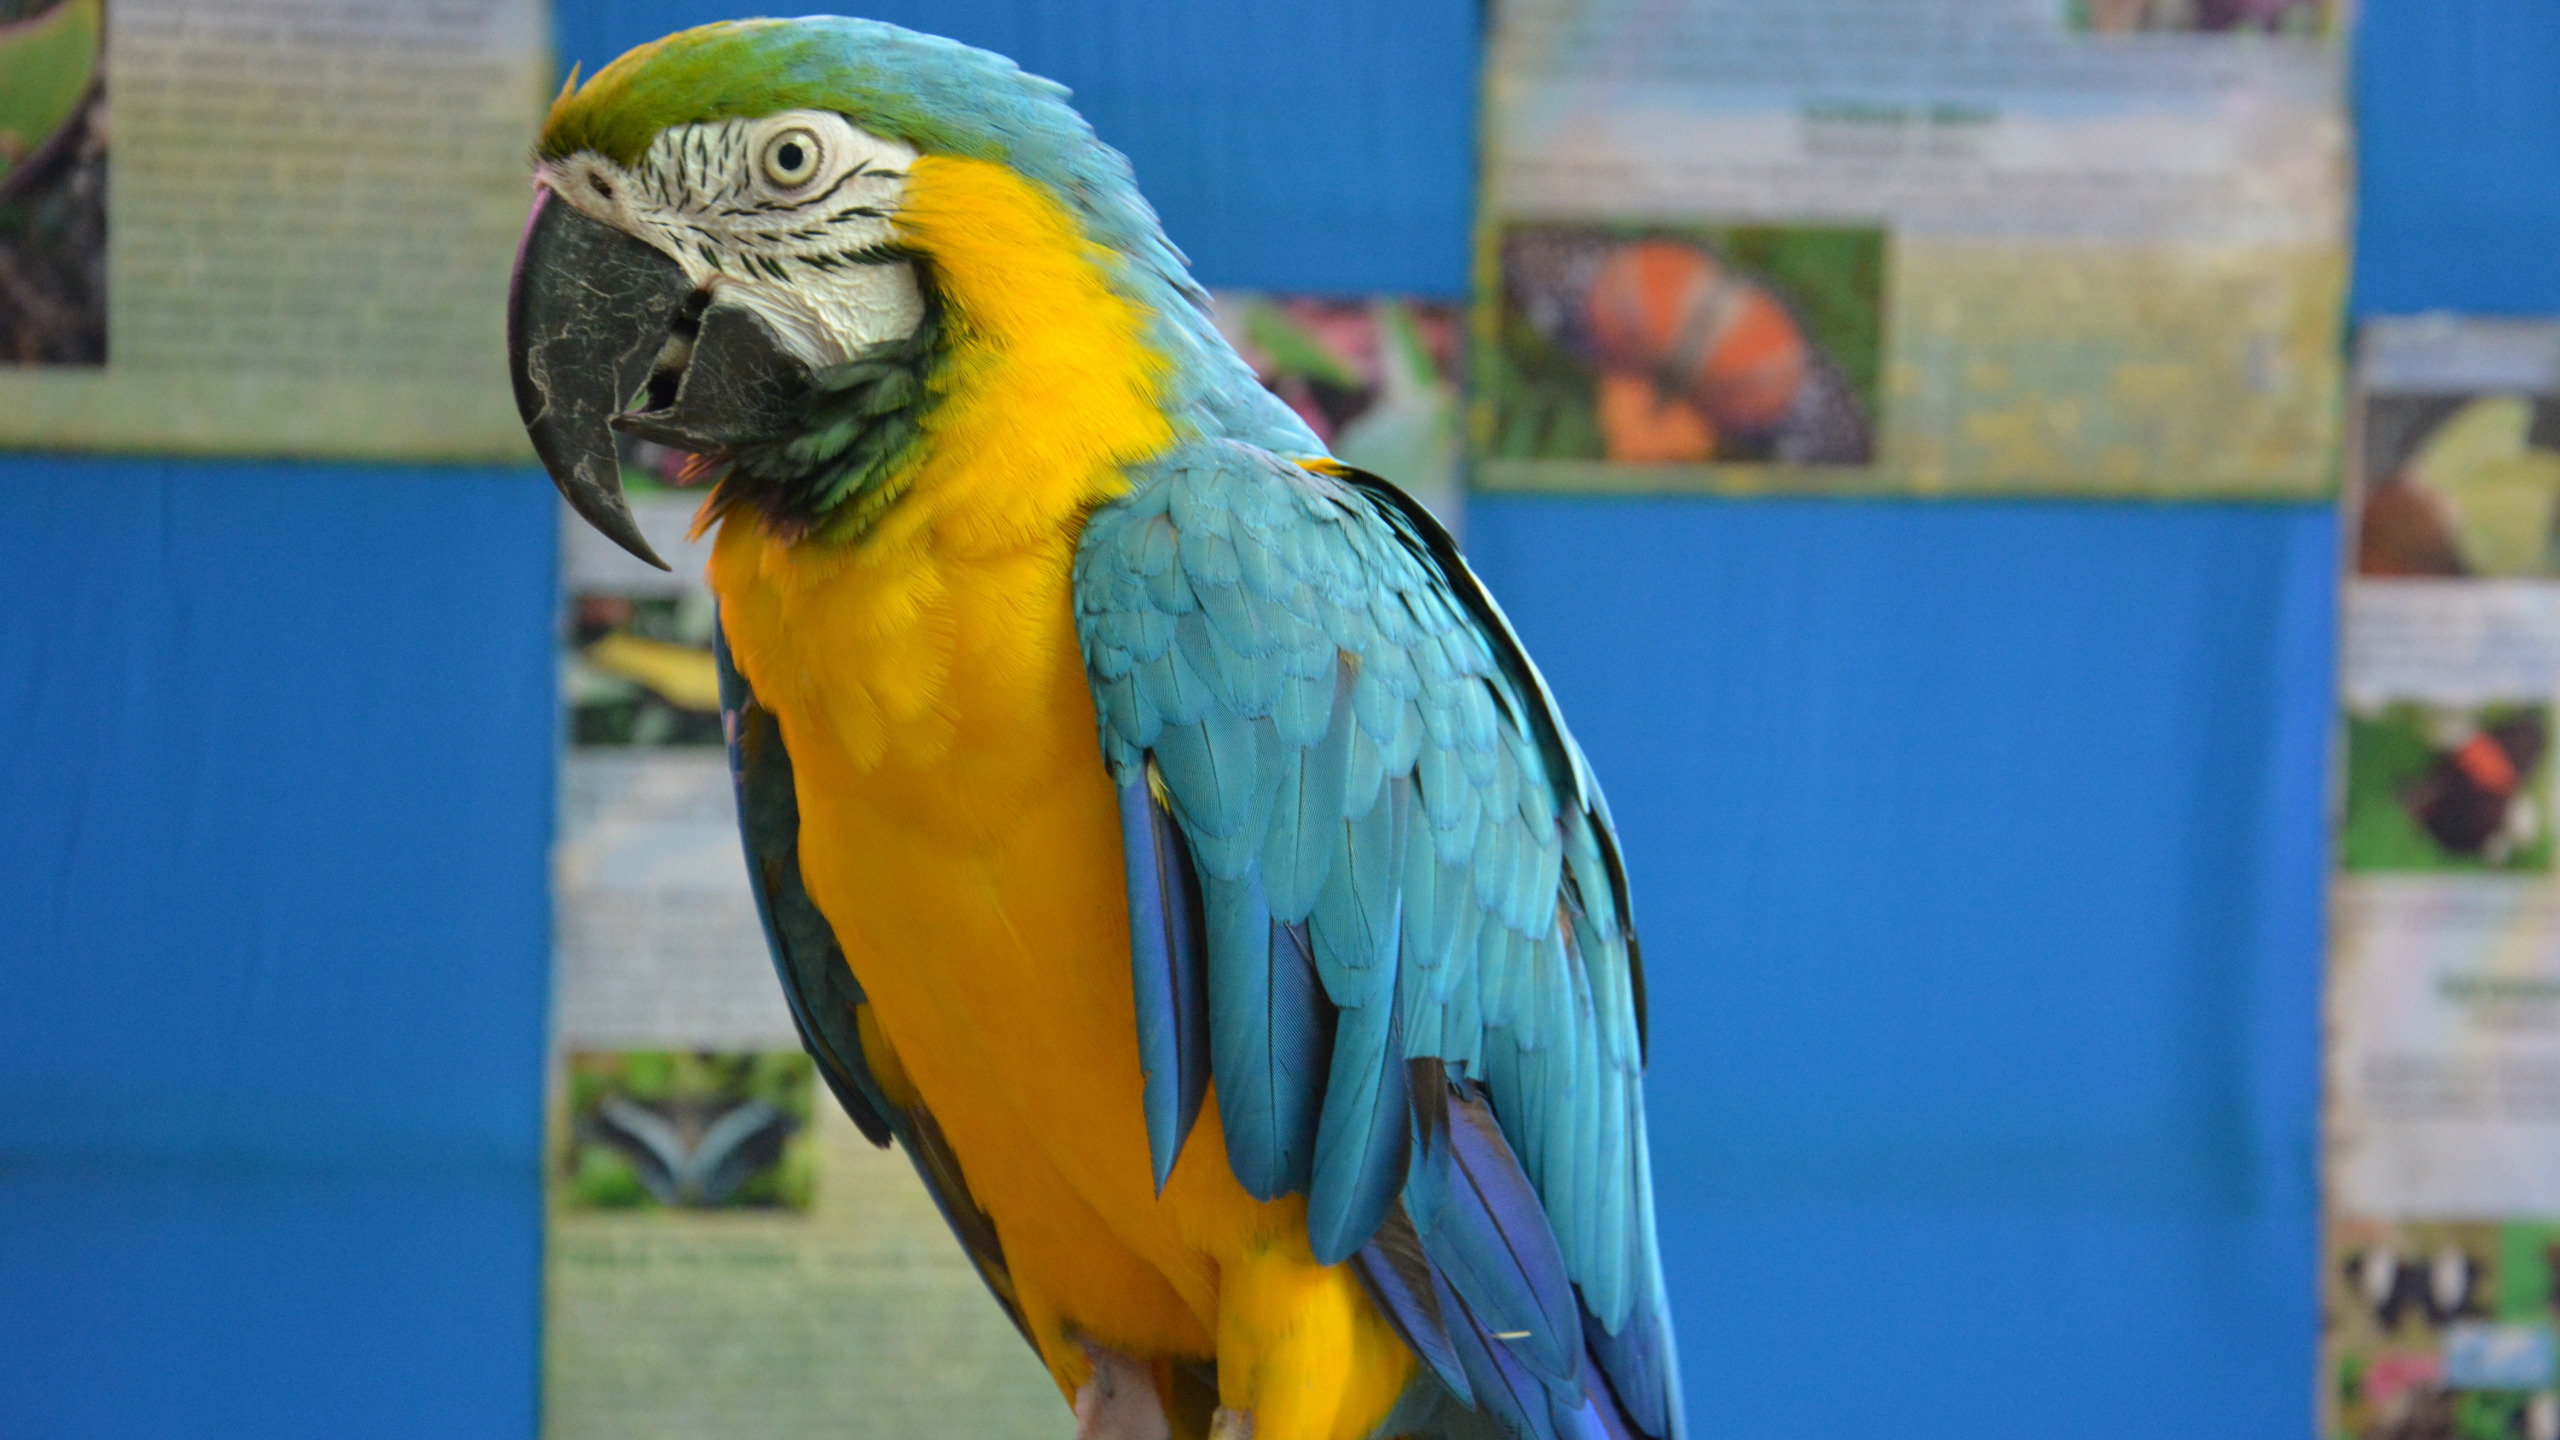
(606, 334)
(588, 312)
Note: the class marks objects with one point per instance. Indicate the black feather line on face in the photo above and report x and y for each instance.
(848, 456)
(823, 196)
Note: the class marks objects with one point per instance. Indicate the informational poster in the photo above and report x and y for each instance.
(2073, 247)
(264, 226)
(726, 1255)
(2443, 1156)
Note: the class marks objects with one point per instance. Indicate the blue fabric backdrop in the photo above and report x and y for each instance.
(1977, 846)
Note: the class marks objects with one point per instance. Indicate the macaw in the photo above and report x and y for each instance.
(1103, 746)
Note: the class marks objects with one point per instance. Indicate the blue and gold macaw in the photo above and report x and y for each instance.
(1103, 746)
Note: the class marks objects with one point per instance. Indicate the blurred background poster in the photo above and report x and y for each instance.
(265, 226)
(1913, 246)
(2443, 1176)
(726, 1255)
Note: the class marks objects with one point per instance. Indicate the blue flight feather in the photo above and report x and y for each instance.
(1633, 1360)
(1168, 955)
(1363, 1138)
(1399, 1275)
(1270, 1038)
(1503, 1385)
(1297, 856)
(1491, 1238)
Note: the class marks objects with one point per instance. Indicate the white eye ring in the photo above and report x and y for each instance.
(791, 158)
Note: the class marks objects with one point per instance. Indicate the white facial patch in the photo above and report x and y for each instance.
(790, 214)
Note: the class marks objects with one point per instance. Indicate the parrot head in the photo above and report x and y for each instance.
(782, 245)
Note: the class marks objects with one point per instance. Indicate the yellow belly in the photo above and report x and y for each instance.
(960, 833)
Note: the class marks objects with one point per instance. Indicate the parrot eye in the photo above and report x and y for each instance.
(791, 158)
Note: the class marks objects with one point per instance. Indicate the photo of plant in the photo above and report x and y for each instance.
(638, 670)
(53, 182)
(1685, 344)
(689, 1130)
(2448, 788)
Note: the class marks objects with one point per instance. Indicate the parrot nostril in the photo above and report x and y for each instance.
(687, 321)
(666, 373)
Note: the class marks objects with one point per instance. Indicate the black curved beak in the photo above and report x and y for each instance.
(604, 333)
(588, 312)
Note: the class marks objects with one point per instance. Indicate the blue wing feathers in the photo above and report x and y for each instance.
(1500, 1382)
(1211, 766)
(1619, 1234)
(1364, 766)
(1519, 1086)
(1168, 964)
(1362, 1143)
(1359, 909)
(1580, 1183)
(1490, 1237)
(1399, 1274)
(1207, 553)
(1299, 860)
(1463, 1024)
(1632, 1360)
(1302, 710)
(1153, 988)
(1269, 1039)
(1402, 859)
(1497, 975)
(1169, 590)
(1168, 682)
(1297, 857)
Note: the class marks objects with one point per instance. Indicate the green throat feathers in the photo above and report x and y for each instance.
(840, 457)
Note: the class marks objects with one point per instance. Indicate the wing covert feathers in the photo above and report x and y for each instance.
(1423, 1001)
